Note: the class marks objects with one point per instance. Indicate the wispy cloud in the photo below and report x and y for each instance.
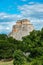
(31, 3)
(6, 26)
(35, 10)
(6, 15)
(32, 11)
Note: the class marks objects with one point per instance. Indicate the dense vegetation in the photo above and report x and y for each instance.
(30, 48)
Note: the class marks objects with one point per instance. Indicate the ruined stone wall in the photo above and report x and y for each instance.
(21, 29)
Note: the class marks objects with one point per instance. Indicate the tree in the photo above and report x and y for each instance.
(19, 58)
(6, 49)
(33, 44)
(3, 36)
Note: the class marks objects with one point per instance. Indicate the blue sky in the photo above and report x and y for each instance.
(13, 10)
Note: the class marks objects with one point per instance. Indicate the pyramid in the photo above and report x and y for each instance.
(21, 28)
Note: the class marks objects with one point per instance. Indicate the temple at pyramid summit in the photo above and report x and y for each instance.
(21, 28)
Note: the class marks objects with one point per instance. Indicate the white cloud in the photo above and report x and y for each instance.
(7, 28)
(12, 17)
(31, 9)
(31, 3)
(6, 25)
(33, 12)
(1, 27)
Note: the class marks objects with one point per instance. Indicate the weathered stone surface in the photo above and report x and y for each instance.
(21, 29)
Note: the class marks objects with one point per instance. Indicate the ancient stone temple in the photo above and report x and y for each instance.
(21, 28)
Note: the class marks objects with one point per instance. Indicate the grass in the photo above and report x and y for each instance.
(9, 63)
(6, 63)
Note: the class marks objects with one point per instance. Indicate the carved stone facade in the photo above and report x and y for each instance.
(21, 29)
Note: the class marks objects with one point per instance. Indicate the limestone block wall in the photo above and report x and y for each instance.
(21, 29)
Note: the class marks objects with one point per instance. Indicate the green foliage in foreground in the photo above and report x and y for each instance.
(37, 61)
(19, 58)
(31, 46)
